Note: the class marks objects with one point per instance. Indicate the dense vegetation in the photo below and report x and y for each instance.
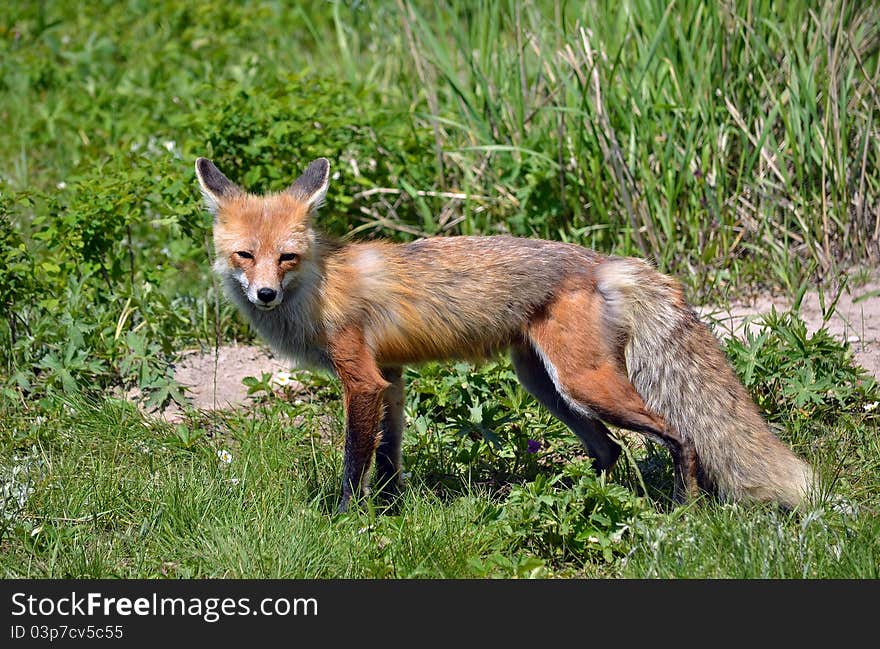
(735, 143)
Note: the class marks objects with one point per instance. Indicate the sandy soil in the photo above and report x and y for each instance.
(214, 381)
(856, 319)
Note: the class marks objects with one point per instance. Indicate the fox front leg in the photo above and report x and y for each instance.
(388, 463)
(364, 389)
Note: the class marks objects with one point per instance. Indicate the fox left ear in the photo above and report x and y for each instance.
(215, 186)
(312, 186)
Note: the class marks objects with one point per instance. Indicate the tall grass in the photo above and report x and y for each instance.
(730, 140)
(707, 135)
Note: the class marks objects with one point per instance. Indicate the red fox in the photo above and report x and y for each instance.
(593, 338)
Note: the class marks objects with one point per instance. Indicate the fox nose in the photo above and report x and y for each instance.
(266, 295)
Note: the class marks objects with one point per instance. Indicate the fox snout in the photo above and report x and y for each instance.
(265, 297)
(261, 293)
(264, 284)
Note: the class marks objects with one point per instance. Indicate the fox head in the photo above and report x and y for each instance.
(265, 242)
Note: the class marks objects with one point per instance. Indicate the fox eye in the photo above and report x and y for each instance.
(288, 256)
(244, 254)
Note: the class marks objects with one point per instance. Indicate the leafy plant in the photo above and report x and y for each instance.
(263, 138)
(477, 424)
(255, 385)
(17, 276)
(574, 514)
(793, 374)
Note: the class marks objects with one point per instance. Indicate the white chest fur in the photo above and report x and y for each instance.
(289, 329)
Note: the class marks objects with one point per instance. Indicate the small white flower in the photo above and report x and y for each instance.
(593, 539)
(61, 185)
(224, 455)
(169, 144)
(281, 379)
(871, 406)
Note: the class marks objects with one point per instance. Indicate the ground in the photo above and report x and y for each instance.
(214, 378)
(855, 318)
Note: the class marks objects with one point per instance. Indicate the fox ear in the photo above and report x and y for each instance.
(311, 187)
(215, 186)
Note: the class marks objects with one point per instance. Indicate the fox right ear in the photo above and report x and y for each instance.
(215, 186)
(311, 187)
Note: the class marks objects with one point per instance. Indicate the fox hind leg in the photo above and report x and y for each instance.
(588, 370)
(535, 378)
(607, 391)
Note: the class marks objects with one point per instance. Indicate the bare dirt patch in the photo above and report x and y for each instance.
(855, 319)
(214, 377)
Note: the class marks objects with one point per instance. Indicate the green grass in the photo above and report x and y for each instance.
(117, 496)
(734, 143)
(93, 488)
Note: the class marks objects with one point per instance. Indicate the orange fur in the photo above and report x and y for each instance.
(592, 337)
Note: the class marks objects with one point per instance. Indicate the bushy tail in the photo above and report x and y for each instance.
(679, 369)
